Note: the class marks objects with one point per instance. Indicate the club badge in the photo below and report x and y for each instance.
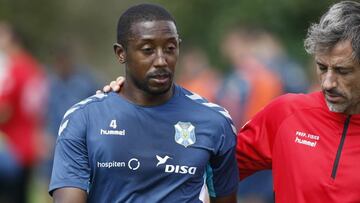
(184, 133)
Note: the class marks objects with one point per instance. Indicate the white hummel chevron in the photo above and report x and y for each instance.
(194, 96)
(211, 105)
(70, 111)
(226, 114)
(84, 101)
(62, 127)
(100, 95)
(233, 129)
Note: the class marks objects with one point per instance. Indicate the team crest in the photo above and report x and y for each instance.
(184, 133)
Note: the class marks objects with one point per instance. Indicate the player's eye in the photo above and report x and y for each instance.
(147, 50)
(170, 48)
(322, 68)
(343, 71)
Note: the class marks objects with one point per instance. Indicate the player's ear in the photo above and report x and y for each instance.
(120, 52)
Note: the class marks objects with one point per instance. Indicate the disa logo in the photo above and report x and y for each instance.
(169, 168)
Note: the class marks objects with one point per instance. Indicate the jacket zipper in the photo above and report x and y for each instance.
(338, 154)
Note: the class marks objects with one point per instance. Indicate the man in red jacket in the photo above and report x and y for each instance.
(312, 141)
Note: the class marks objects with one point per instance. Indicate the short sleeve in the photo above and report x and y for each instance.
(222, 172)
(71, 166)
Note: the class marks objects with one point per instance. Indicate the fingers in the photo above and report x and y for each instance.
(107, 88)
(120, 80)
(113, 86)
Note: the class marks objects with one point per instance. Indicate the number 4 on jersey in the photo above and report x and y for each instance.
(113, 124)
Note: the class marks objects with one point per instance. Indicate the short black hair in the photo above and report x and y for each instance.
(140, 13)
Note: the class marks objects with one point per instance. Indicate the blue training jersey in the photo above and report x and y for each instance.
(117, 151)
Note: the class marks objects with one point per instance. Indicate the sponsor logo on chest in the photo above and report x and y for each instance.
(307, 139)
(132, 164)
(174, 168)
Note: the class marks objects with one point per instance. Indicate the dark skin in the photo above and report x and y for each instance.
(150, 58)
(69, 195)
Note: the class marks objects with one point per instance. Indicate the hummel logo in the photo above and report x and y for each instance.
(113, 125)
(112, 132)
(162, 160)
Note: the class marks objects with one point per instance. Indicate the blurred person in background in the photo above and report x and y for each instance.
(197, 75)
(9, 169)
(250, 84)
(22, 99)
(269, 50)
(69, 82)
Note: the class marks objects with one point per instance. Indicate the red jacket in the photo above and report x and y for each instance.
(23, 86)
(314, 153)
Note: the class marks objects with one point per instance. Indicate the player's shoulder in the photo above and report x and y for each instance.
(86, 104)
(292, 102)
(203, 103)
(298, 100)
(213, 111)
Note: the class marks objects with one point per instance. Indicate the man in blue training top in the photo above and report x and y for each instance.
(152, 142)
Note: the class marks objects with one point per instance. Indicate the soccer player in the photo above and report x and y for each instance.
(152, 142)
(312, 141)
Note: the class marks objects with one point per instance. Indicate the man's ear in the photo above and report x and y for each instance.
(120, 52)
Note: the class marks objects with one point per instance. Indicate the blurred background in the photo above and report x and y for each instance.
(238, 53)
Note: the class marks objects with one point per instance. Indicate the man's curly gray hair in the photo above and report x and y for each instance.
(340, 23)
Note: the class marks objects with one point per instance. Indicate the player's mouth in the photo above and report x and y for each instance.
(161, 78)
(334, 97)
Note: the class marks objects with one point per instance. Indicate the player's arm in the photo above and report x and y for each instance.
(256, 139)
(222, 176)
(69, 195)
(71, 171)
(253, 150)
(226, 199)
